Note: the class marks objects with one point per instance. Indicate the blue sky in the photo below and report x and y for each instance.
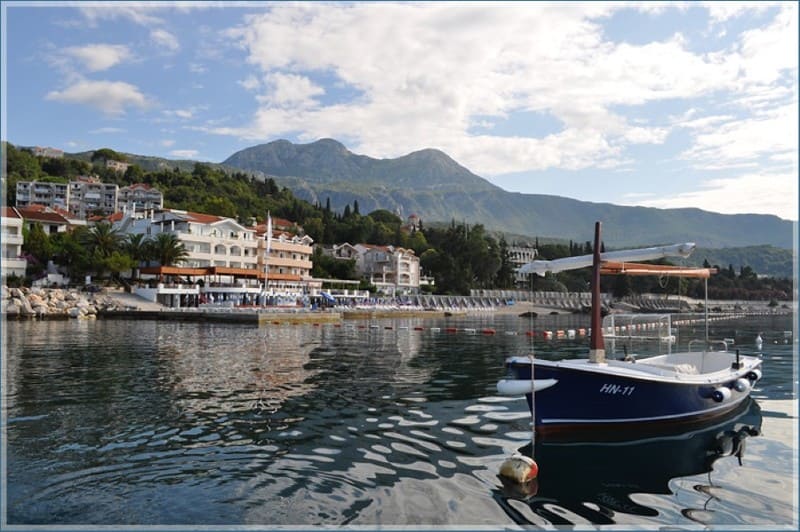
(654, 104)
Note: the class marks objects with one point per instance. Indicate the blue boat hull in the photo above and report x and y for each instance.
(590, 400)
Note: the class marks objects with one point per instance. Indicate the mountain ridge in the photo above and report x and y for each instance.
(413, 183)
(437, 188)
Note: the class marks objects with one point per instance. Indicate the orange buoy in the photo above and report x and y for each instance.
(530, 333)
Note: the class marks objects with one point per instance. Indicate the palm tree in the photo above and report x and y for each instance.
(168, 250)
(103, 240)
(138, 248)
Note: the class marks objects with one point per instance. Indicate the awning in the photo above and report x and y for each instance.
(328, 297)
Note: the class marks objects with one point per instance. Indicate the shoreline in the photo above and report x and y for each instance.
(57, 303)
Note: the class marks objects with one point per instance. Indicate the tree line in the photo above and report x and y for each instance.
(458, 256)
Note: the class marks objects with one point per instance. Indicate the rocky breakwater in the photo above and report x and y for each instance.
(55, 303)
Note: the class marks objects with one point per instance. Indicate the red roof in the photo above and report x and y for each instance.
(197, 216)
(204, 218)
(37, 215)
(10, 212)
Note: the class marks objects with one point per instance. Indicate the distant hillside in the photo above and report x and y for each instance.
(764, 260)
(153, 164)
(430, 184)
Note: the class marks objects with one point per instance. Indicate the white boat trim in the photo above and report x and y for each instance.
(640, 370)
(725, 405)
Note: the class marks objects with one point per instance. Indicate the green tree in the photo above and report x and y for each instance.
(505, 273)
(103, 240)
(118, 262)
(69, 252)
(168, 250)
(138, 249)
(37, 246)
(107, 154)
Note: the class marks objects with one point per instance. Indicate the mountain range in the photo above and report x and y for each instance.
(433, 186)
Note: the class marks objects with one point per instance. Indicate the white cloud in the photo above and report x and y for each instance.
(168, 143)
(142, 14)
(723, 11)
(165, 40)
(768, 52)
(424, 73)
(111, 97)
(250, 83)
(185, 154)
(107, 130)
(759, 193)
(771, 134)
(97, 57)
(291, 90)
(186, 113)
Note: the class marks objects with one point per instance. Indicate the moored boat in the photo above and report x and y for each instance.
(675, 388)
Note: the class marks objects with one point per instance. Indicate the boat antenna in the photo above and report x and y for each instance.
(532, 357)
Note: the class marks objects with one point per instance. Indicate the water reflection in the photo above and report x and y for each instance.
(368, 423)
(597, 480)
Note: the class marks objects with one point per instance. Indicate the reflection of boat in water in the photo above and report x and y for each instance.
(611, 395)
(596, 479)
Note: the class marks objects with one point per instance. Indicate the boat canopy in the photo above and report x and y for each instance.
(633, 268)
(540, 267)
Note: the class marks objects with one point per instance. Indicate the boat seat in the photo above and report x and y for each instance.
(687, 369)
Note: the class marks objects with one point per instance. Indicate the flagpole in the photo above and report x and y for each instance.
(268, 237)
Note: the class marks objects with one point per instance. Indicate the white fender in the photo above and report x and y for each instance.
(741, 385)
(523, 386)
(721, 394)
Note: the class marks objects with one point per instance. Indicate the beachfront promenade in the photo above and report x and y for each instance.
(72, 303)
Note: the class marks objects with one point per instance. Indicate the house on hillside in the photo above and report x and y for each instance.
(393, 270)
(52, 220)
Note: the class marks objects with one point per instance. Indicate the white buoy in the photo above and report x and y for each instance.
(759, 341)
(519, 468)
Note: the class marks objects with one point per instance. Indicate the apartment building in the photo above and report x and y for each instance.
(289, 262)
(209, 240)
(88, 195)
(519, 255)
(117, 166)
(85, 196)
(53, 153)
(11, 243)
(140, 197)
(393, 270)
(53, 195)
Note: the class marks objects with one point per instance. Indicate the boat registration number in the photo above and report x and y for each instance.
(617, 389)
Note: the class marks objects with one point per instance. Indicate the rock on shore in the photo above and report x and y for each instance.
(54, 303)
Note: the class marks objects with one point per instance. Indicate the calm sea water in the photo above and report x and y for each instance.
(370, 423)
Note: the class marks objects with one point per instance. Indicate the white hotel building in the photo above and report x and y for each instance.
(226, 261)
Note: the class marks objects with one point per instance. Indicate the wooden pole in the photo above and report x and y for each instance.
(597, 351)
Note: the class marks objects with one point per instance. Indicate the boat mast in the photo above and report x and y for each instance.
(597, 351)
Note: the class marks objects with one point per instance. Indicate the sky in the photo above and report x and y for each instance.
(659, 104)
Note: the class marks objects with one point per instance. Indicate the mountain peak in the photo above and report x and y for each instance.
(327, 160)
